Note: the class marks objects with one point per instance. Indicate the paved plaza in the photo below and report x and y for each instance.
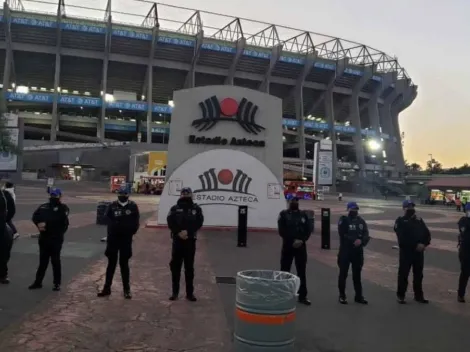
(76, 320)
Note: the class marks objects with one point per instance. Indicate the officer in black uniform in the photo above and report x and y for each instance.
(464, 253)
(7, 212)
(295, 228)
(353, 237)
(123, 223)
(184, 220)
(52, 220)
(413, 237)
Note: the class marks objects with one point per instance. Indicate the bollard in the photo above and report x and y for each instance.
(242, 226)
(101, 212)
(340, 197)
(325, 228)
(265, 311)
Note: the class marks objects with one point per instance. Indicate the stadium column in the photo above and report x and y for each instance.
(299, 102)
(233, 67)
(400, 104)
(55, 104)
(275, 55)
(355, 114)
(373, 107)
(9, 64)
(190, 81)
(104, 81)
(149, 80)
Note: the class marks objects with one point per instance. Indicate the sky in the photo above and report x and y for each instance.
(430, 38)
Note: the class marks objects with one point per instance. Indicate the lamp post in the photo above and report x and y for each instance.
(431, 161)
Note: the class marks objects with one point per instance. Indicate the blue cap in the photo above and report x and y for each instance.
(352, 205)
(123, 190)
(408, 203)
(467, 207)
(294, 199)
(56, 192)
(186, 190)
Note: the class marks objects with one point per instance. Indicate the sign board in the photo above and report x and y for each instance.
(325, 168)
(222, 180)
(50, 182)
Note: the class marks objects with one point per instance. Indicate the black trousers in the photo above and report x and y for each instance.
(183, 252)
(464, 257)
(122, 251)
(354, 258)
(299, 255)
(410, 259)
(49, 250)
(6, 243)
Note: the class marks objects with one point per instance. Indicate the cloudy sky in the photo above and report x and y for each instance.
(430, 38)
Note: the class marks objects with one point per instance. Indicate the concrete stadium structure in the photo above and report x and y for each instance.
(68, 67)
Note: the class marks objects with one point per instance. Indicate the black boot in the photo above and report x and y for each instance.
(105, 292)
(361, 300)
(173, 297)
(343, 300)
(4, 280)
(35, 286)
(191, 298)
(305, 301)
(127, 294)
(56, 288)
(461, 299)
(421, 300)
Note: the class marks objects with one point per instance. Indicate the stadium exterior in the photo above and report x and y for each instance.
(72, 68)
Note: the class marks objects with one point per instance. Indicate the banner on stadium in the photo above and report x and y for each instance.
(157, 164)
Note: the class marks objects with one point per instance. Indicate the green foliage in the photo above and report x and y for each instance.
(435, 167)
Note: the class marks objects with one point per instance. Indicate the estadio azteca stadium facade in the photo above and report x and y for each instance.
(70, 76)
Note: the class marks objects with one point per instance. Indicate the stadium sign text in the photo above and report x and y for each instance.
(239, 142)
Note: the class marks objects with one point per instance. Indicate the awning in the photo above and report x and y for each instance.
(450, 182)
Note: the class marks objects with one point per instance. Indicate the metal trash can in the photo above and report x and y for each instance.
(265, 311)
(100, 213)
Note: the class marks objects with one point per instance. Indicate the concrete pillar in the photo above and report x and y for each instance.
(150, 85)
(330, 117)
(355, 115)
(190, 81)
(233, 67)
(275, 54)
(9, 50)
(299, 115)
(104, 81)
(55, 115)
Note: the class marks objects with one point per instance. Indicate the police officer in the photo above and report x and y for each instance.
(52, 220)
(353, 237)
(413, 237)
(7, 212)
(464, 253)
(295, 228)
(184, 220)
(123, 223)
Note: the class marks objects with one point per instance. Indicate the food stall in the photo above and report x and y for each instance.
(301, 189)
(151, 185)
(116, 182)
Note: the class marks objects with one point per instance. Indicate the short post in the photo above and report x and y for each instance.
(242, 226)
(340, 197)
(325, 228)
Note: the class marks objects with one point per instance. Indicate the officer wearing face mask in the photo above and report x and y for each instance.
(413, 237)
(184, 221)
(123, 223)
(464, 253)
(52, 221)
(353, 237)
(295, 228)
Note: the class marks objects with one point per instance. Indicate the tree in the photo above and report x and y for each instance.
(415, 167)
(433, 166)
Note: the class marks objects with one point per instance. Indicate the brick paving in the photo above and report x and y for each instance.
(76, 320)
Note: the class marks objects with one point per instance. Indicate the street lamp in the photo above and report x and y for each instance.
(374, 145)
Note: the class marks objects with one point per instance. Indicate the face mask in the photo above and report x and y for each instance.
(353, 213)
(468, 214)
(54, 200)
(294, 206)
(123, 199)
(410, 212)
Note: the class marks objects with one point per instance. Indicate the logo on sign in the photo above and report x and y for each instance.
(224, 187)
(213, 111)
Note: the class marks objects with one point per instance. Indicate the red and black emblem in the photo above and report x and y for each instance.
(229, 109)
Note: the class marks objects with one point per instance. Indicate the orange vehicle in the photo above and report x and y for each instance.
(116, 182)
(301, 189)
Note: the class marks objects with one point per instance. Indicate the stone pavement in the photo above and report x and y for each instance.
(75, 320)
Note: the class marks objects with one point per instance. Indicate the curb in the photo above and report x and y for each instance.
(154, 225)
